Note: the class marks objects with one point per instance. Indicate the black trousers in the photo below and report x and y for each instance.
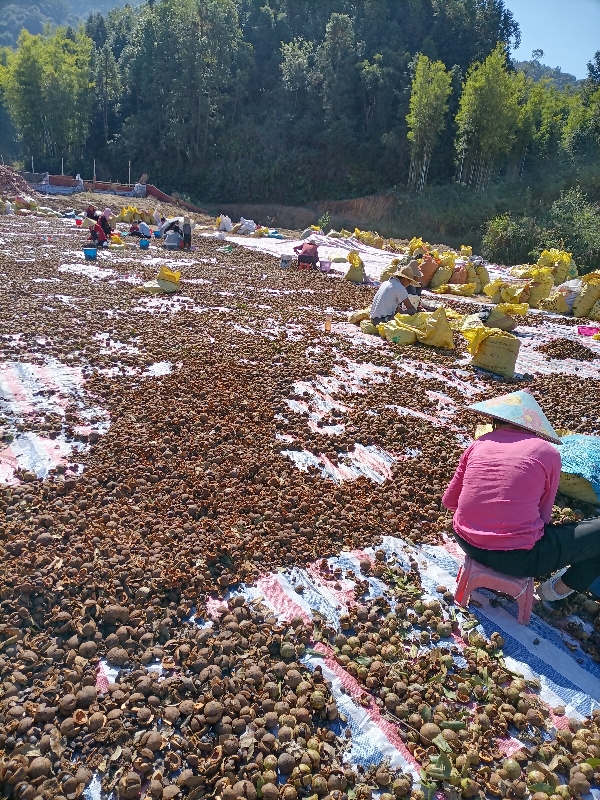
(379, 320)
(576, 545)
(312, 262)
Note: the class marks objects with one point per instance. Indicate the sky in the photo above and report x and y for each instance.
(568, 31)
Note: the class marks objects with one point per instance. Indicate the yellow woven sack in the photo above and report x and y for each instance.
(455, 320)
(473, 277)
(356, 317)
(520, 309)
(524, 271)
(498, 353)
(552, 257)
(355, 259)
(595, 312)
(441, 277)
(482, 274)
(415, 244)
(558, 261)
(366, 237)
(475, 332)
(438, 332)
(493, 288)
(24, 201)
(540, 287)
(430, 328)
(448, 259)
(356, 272)
(555, 302)
(395, 333)
(390, 270)
(560, 273)
(345, 234)
(166, 274)
(462, 290)
(498, 319)
(466, 250)
(378, 242)
(577, 487)
(589, 296)
(367, 326)
(515, 293)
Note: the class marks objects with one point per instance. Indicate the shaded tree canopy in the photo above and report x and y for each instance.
(292, 100)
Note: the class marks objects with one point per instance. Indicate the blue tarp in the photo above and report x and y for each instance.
(48, 188)
(580, 455)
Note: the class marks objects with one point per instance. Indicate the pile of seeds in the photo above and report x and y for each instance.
(193, 489)
(567, 348)
(11, 183)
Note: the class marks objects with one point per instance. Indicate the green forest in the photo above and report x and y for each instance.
(292, 101)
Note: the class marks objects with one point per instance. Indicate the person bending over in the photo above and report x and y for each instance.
(98, 236)
(308, 254)
(392, 296)
(502, 496)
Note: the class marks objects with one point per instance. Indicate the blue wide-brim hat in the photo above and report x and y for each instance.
(518, 408)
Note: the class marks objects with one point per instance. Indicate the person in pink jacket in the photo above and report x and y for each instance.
(502, 496)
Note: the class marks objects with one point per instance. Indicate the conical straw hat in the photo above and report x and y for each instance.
(518, 408)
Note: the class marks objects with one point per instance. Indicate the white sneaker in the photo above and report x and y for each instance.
(546, 590)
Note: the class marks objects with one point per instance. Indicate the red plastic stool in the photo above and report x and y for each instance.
(473, 576)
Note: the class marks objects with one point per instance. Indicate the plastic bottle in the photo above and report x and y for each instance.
(328, 318)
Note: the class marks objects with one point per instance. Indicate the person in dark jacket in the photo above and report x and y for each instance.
(104, 223)
(187, 233)
(174, 227)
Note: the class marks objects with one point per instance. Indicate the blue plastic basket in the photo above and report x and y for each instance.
(144, 244)
(90, 253)
(157, 235)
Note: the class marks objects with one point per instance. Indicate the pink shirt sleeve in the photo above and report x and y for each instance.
(452, 493)
(552, 480)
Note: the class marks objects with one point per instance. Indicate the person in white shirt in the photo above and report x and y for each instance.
(145, 230)
(392, 296)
